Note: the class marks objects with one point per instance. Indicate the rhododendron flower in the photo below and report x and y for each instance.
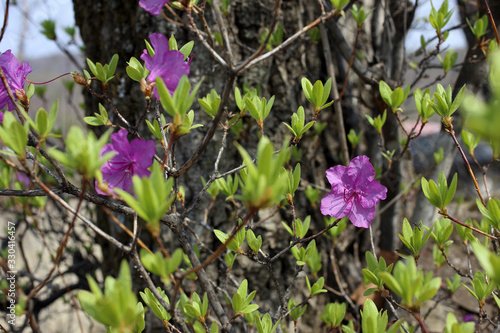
(130, 159)
(354, 193)
(15, 74)
(154, 7)
(470, 317)
(167, 64)
(23, 179)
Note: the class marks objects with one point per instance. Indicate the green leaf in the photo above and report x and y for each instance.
(458, 100)
(153, 196)
(112, 66)
(253, 242)
(317, 93)
(152, 302)
(222, 236)
(165, 97)
(155, 129)
(307, 88)
(385, 92)
(451, 190)
(42, 123)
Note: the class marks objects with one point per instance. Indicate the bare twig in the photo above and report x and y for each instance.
(5, 19)
(252, 61)
(195, 202)
(450, 130)
(492, 21)
(215, 123)
(303, 240)
(60, 249)
(91, 225)
(223, 29)
(203, 41)
(470, 227)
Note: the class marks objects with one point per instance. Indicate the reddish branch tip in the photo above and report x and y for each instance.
(40, 83)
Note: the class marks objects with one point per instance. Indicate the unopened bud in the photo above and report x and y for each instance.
(21, 96)
(147, 88)
(80, 79)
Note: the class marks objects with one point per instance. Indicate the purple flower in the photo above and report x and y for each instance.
(130, 159)
(167, 64)
(15, 74)
(154, 7)
(23, 179)
(354, 193)
(469, 317)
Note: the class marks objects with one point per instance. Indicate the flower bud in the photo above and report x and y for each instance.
(147, 89)
(21, 96)
(80, 79)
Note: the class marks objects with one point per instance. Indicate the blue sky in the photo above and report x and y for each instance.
(36, 45)
(455, 40)
(29, 13)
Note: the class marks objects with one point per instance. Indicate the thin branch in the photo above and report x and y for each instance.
(337, 279)
(470, 227)
(492, 21)
(212, 178)
(303, 240)
(205, 282)
(60, 249)
(106, 97)
(456, 269)
(450, 130)
(5, 19)
(223, 29)
(86, 221)
(197, 32)
(28, 193)
(134, 234)
(62, 177)
(252, 61)
(215, 123)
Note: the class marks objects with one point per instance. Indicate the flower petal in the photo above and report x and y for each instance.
(337, 176)
(115, 179)
(154, 7)
(167, 64)
(334, 205)
(371, 194)
(173, 68)
(361, 171)
(360, 216)
(120, 143)
(142, 153)
(14, 74)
